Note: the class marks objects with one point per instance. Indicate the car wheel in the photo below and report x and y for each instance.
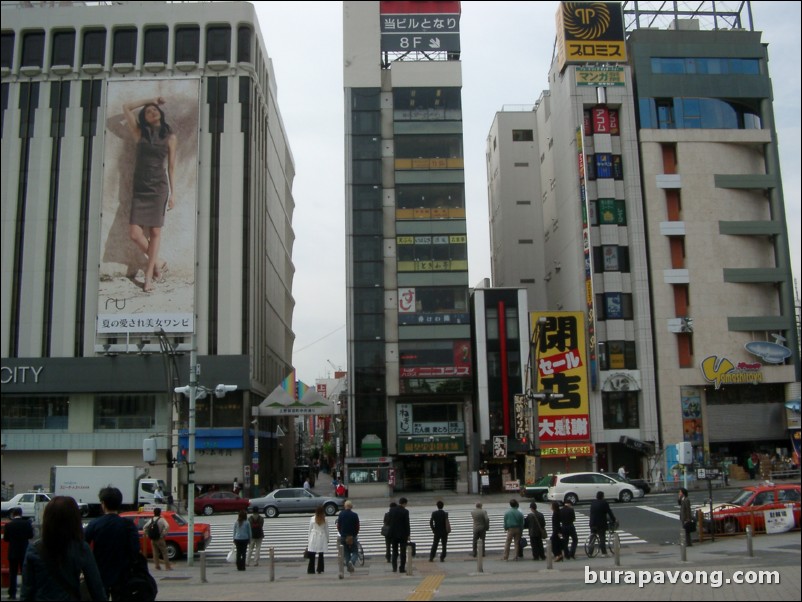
(330, 509)
(271, 512)
(730, 526)
(173, 551)
(626, 496)
(208, 510)
(571, 497)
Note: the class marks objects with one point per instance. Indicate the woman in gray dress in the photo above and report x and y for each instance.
(154, 182)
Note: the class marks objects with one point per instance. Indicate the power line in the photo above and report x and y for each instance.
(318, 340)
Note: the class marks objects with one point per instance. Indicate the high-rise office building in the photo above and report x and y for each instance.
(663, 221)
(409, 350)
(719, 258)
(147, 204)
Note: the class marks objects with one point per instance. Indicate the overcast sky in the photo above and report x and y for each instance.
(506, 54)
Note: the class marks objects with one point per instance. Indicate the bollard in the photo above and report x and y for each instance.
(203, 566)
(549, 555)
(272, 564)
(617, 549)
(480, 552)
(410, 568)
(683, 551)
(749, 551)
(340, 559)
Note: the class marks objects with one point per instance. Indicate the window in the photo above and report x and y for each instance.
(117, 412)
(617, 355)
(63, 51)
(94, 50)
(218, 44)
(614, 306)
(124, 50)
(244, 35)
(429, 146)
(187, 44)
(7, 50)
(156, 45)
(34, 412)
(33, 49)
(427, 104)
(620, 410)
(430, 196)
(523, 135)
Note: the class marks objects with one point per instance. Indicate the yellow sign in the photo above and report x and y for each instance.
(561, 451)
(590, 32)
(600, 76)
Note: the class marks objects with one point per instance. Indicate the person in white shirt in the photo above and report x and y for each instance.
(622, 472)
(318, 541)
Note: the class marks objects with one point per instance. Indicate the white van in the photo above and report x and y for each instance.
(583, 486)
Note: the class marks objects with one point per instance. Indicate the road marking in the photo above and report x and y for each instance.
(660, 512)
(427, 588)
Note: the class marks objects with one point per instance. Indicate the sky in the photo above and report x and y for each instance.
(506, 51)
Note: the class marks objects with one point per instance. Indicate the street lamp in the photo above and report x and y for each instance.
(194, 392)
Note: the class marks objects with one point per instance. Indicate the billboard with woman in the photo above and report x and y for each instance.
(149, 207)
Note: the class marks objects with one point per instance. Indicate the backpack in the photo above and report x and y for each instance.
(153, 530)
(140, 586)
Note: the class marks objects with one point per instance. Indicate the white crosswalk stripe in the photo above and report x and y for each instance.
(288, 535)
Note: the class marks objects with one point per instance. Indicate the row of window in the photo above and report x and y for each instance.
(705, 66)
(696, 113)
(125, 48)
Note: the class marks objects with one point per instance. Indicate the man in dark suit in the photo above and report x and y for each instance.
(400, 532)
(440, 527)
(17, 533)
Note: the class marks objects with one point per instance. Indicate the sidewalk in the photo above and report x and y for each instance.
(457, 578)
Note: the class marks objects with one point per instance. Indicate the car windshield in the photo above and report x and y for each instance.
(179, 520)
(742, 498)
(616, 476)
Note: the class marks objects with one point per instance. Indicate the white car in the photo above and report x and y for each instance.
(27, 501)
(583, 486)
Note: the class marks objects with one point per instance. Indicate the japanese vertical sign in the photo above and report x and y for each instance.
(560, 356)
(500, 446)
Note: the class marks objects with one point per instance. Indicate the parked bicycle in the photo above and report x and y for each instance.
(593, 543)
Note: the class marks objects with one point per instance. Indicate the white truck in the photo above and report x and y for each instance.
(85, 482)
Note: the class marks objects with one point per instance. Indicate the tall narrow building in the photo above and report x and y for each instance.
(98, 321)
(409, 350)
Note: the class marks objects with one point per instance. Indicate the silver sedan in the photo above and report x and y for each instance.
(295, 500)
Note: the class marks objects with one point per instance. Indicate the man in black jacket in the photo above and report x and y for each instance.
(400, 532)
(599, 511)
(440, 527)
(567, 518)
(114, 541)
(535, 522)
(17, 533)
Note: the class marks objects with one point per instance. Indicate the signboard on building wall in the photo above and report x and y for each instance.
(560, 355)
(420, 26)
(142, 191)
(590, 32)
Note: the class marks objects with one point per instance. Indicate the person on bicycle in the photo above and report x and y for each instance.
(599, 511)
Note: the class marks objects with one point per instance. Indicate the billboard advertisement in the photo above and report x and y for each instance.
(149, 206)
(561, 368)
(590, 32)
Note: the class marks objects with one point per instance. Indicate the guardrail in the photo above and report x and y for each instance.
(785, 473)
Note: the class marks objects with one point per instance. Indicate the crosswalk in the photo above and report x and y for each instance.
(288, 535)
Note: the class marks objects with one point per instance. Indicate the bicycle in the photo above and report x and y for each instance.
(593, 543)
(360, 553)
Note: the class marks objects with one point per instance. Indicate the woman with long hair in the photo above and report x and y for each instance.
(318, 540)
(242, 537)
(54, 564)
(154, 187)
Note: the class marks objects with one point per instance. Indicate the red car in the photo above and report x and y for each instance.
(748, 506)
(176, 539)
(220, 501)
